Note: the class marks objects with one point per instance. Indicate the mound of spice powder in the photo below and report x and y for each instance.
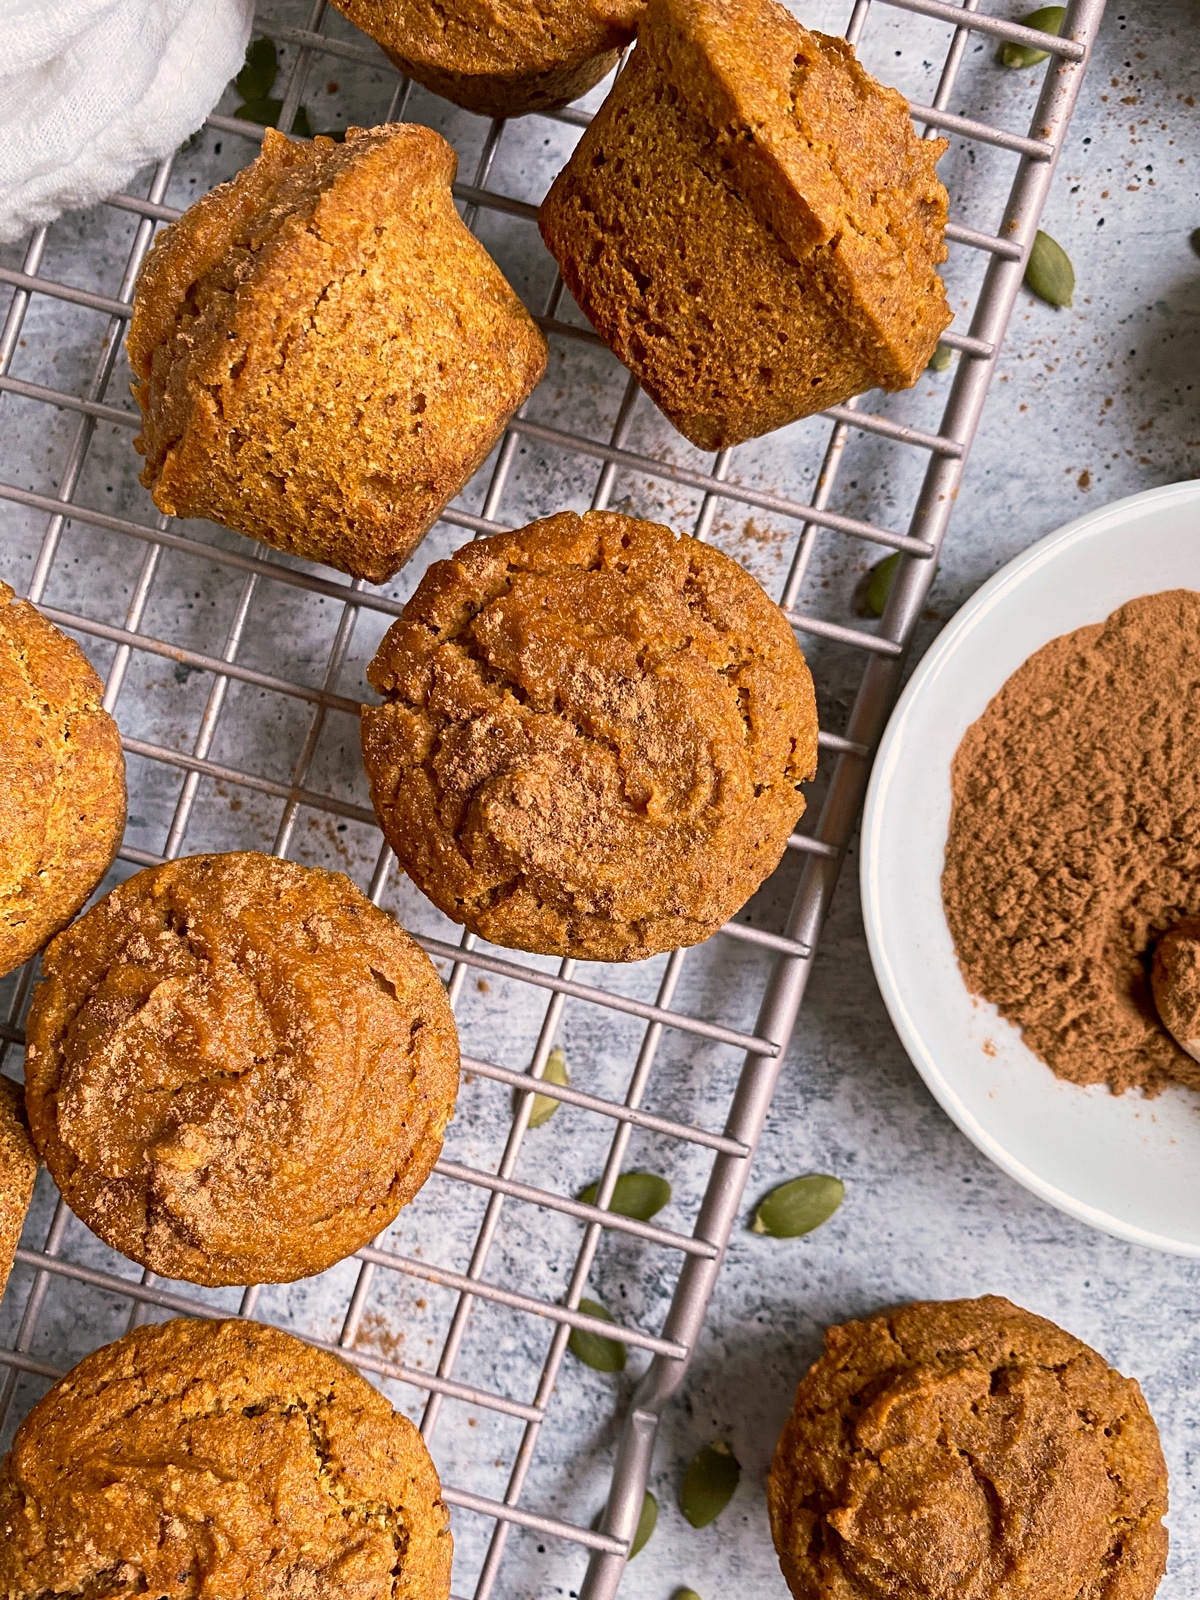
(1074, 841)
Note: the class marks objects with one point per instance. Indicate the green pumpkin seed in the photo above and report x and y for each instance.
(544, 1105)
(708, 1484)
(879, 584)
(685, 1594)
(1049, 19)
(1049, 273)
(255, 80)
(1194, 240)
(941, 358)
(264, 112)
(798, 1207)
(640, 1195)
(647, 1523)
(301, 126)
(593, 1349)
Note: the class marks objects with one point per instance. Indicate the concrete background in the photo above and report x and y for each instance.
(1088, 404)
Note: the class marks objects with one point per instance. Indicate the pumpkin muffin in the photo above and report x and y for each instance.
(500, 58)
(591, 739)
(18, 1169)
(62, 776)
(323, 352)
(238, 1069)
(967, 1450)
(751, 223)
(220, 1459)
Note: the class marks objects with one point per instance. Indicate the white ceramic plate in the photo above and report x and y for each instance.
(1123, 1163)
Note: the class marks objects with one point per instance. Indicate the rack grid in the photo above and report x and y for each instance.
(779, 957)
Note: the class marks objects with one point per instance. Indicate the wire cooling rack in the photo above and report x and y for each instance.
(236, 675)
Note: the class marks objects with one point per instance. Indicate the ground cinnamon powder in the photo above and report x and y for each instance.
(1074, 841)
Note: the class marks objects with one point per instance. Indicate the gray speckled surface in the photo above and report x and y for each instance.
(1090, 404)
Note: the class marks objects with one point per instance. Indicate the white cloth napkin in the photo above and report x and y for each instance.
(91, 90)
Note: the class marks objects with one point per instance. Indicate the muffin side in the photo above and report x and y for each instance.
(591, 739)
(282, 1053)
(62, 775)
(750, 222)
(18, 1169)
(967, 1449)
(503, 59)
(224, 1458)
(324, 354)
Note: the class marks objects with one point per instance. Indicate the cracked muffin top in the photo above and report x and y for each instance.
(592, 735)
(238, 1069)
(225, 1460)
(324, 352)
(62, 777)
(967, 1450)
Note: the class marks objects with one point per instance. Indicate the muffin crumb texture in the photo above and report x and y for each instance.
(220, 1459)
(324, 353)
(62, 779)
(967, 1450)
(282, 1053)
(751, 223)
(1073, 844)
(591, 738)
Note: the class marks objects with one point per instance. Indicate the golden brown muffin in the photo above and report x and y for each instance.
(592, 737)
(751, 223)
(238, 1069)
(501, 58)
(18, 1169)
(967, 1450)
(62, 778)
(324, 353)
(220, 1459)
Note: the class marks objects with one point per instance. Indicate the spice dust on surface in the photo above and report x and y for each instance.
(1074, 841)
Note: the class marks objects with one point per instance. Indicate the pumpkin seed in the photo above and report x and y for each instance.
(640, 1195)
(1049, 273)
(941, 358)
(264, 112)
(879, 584)
(257, 77)
(799, 1206)
(708, 1484)
(1194, 240)
(647, 1522)
(1049, 19)
(544, 1105)
(685, 1594)
(593, 1349)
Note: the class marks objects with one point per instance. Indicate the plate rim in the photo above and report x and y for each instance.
(989, 593)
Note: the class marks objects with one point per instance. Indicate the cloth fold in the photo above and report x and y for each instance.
(91, 90)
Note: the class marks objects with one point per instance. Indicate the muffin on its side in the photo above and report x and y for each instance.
(220, 1458)
(751, 223)
(500, 60)
(238, 1069)
(591, 739)
(967, 1450)
(62, 778)
(18, 1169)
(323, 352)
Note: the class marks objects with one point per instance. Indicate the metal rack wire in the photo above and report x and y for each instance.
(780, 956)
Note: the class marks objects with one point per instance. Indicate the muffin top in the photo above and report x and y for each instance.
(62, 775)
(592, 736)
(223, 1459)
(238, 1068)
(968, 1450)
